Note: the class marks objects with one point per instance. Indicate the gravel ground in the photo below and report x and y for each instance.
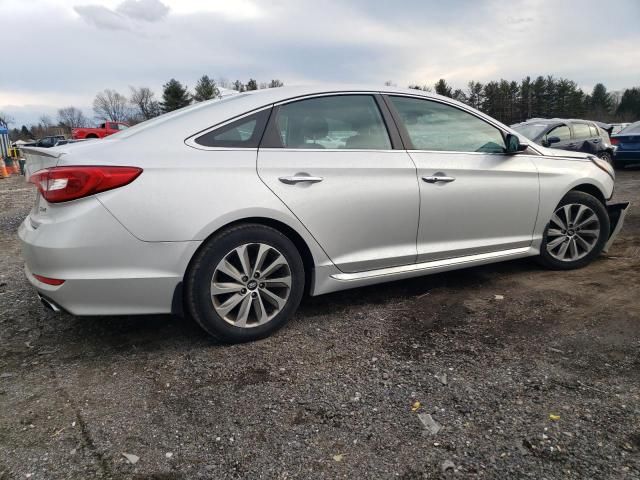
(543, 383)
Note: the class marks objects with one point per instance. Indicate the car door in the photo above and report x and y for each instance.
(474, 198)
(337, 163)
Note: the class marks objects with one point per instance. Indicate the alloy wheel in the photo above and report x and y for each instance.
(573, 232)
(251, 285)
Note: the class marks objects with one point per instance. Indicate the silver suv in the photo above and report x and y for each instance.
(233, 208)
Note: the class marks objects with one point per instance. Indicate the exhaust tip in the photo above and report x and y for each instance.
(49, 305)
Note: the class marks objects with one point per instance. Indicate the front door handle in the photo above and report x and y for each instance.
(292, 180)
(438, 178)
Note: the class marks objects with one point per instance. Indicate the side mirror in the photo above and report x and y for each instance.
(514, 145)
(552, 140)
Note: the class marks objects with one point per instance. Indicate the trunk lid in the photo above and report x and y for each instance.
(38, 158)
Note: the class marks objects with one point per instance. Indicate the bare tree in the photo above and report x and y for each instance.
(144, 104)
(5, 119)
(71, 117)
(276, 83)
(111, 105)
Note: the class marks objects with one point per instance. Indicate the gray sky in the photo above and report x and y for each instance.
(62, 53)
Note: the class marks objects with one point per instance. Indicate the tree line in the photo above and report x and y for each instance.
(508, 101)
(140, 105)
(545, 97)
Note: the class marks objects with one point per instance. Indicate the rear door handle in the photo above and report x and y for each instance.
(438, 178)
(293, 179)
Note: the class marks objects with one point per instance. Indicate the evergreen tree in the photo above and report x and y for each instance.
(475, 96)
(629, 108)
(205, 89)
(442, 88)
(600, 103)
(174, 96)
(238, 86)
(24, 133)
(275, 83)
(252, 84)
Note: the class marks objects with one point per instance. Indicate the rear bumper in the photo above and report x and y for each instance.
(627, 156)
(617, 213)
(106, 270)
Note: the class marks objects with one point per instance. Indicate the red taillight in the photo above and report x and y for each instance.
(61, 184)
(48, 281)
(614, 141)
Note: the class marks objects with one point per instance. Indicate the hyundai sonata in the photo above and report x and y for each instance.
(229, 210)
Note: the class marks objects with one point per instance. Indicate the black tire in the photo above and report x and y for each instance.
(198, 299)
(606, 156)
(581, 198)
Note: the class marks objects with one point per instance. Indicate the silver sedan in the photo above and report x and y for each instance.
(230, 210)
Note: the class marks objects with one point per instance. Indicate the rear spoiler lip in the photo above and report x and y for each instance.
(43, 152)
(617, 212)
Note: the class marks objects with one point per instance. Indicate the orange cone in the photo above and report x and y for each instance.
(16, 167)
(3, 170)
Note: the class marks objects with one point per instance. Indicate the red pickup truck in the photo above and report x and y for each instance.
(103, 130)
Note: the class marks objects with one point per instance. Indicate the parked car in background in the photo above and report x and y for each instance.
(45, 142)
(67, 141)
(627, 142)
(573, 135)
(103, 130)
(616, 127)
(289, 190)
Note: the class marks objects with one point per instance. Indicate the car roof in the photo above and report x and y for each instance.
(200, 116)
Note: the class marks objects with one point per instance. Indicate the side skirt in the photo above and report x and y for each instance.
(333, 280)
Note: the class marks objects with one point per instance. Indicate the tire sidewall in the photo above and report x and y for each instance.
(600, 211)
(199, 302)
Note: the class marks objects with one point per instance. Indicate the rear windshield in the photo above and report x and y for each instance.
(530, 130)
(633, 128)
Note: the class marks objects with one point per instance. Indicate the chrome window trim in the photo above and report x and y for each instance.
(341, 150)
(191, 140)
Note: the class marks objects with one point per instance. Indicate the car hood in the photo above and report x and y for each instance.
(555, 152)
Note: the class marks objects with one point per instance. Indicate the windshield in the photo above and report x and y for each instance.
(633, 128)
(530, 130)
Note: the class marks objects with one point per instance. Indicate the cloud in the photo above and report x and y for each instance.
(119, 43)
(147, 10)
(124, 16)
(102, 17)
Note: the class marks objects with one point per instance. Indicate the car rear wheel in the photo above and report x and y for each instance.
(245, 283)
(576, 232)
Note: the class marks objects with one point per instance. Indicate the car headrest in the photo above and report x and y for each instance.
(315, 128)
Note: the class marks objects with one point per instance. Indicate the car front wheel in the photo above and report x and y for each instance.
(245, 283)
(576, 233)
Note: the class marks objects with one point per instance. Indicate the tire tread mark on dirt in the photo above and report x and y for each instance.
(84, 429)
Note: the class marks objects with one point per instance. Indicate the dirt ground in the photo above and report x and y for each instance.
(544, 383)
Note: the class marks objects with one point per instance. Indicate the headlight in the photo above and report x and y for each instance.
(603, 165)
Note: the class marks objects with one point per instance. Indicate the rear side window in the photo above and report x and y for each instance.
(440, 127)
(332, 122)
(581, 131)
(594, 131)
(243, 133)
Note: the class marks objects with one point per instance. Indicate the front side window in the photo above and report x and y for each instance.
(562, 132)
(336, 122)
(581, 131)
(439, 127)
(243, 133)
(121, 126)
